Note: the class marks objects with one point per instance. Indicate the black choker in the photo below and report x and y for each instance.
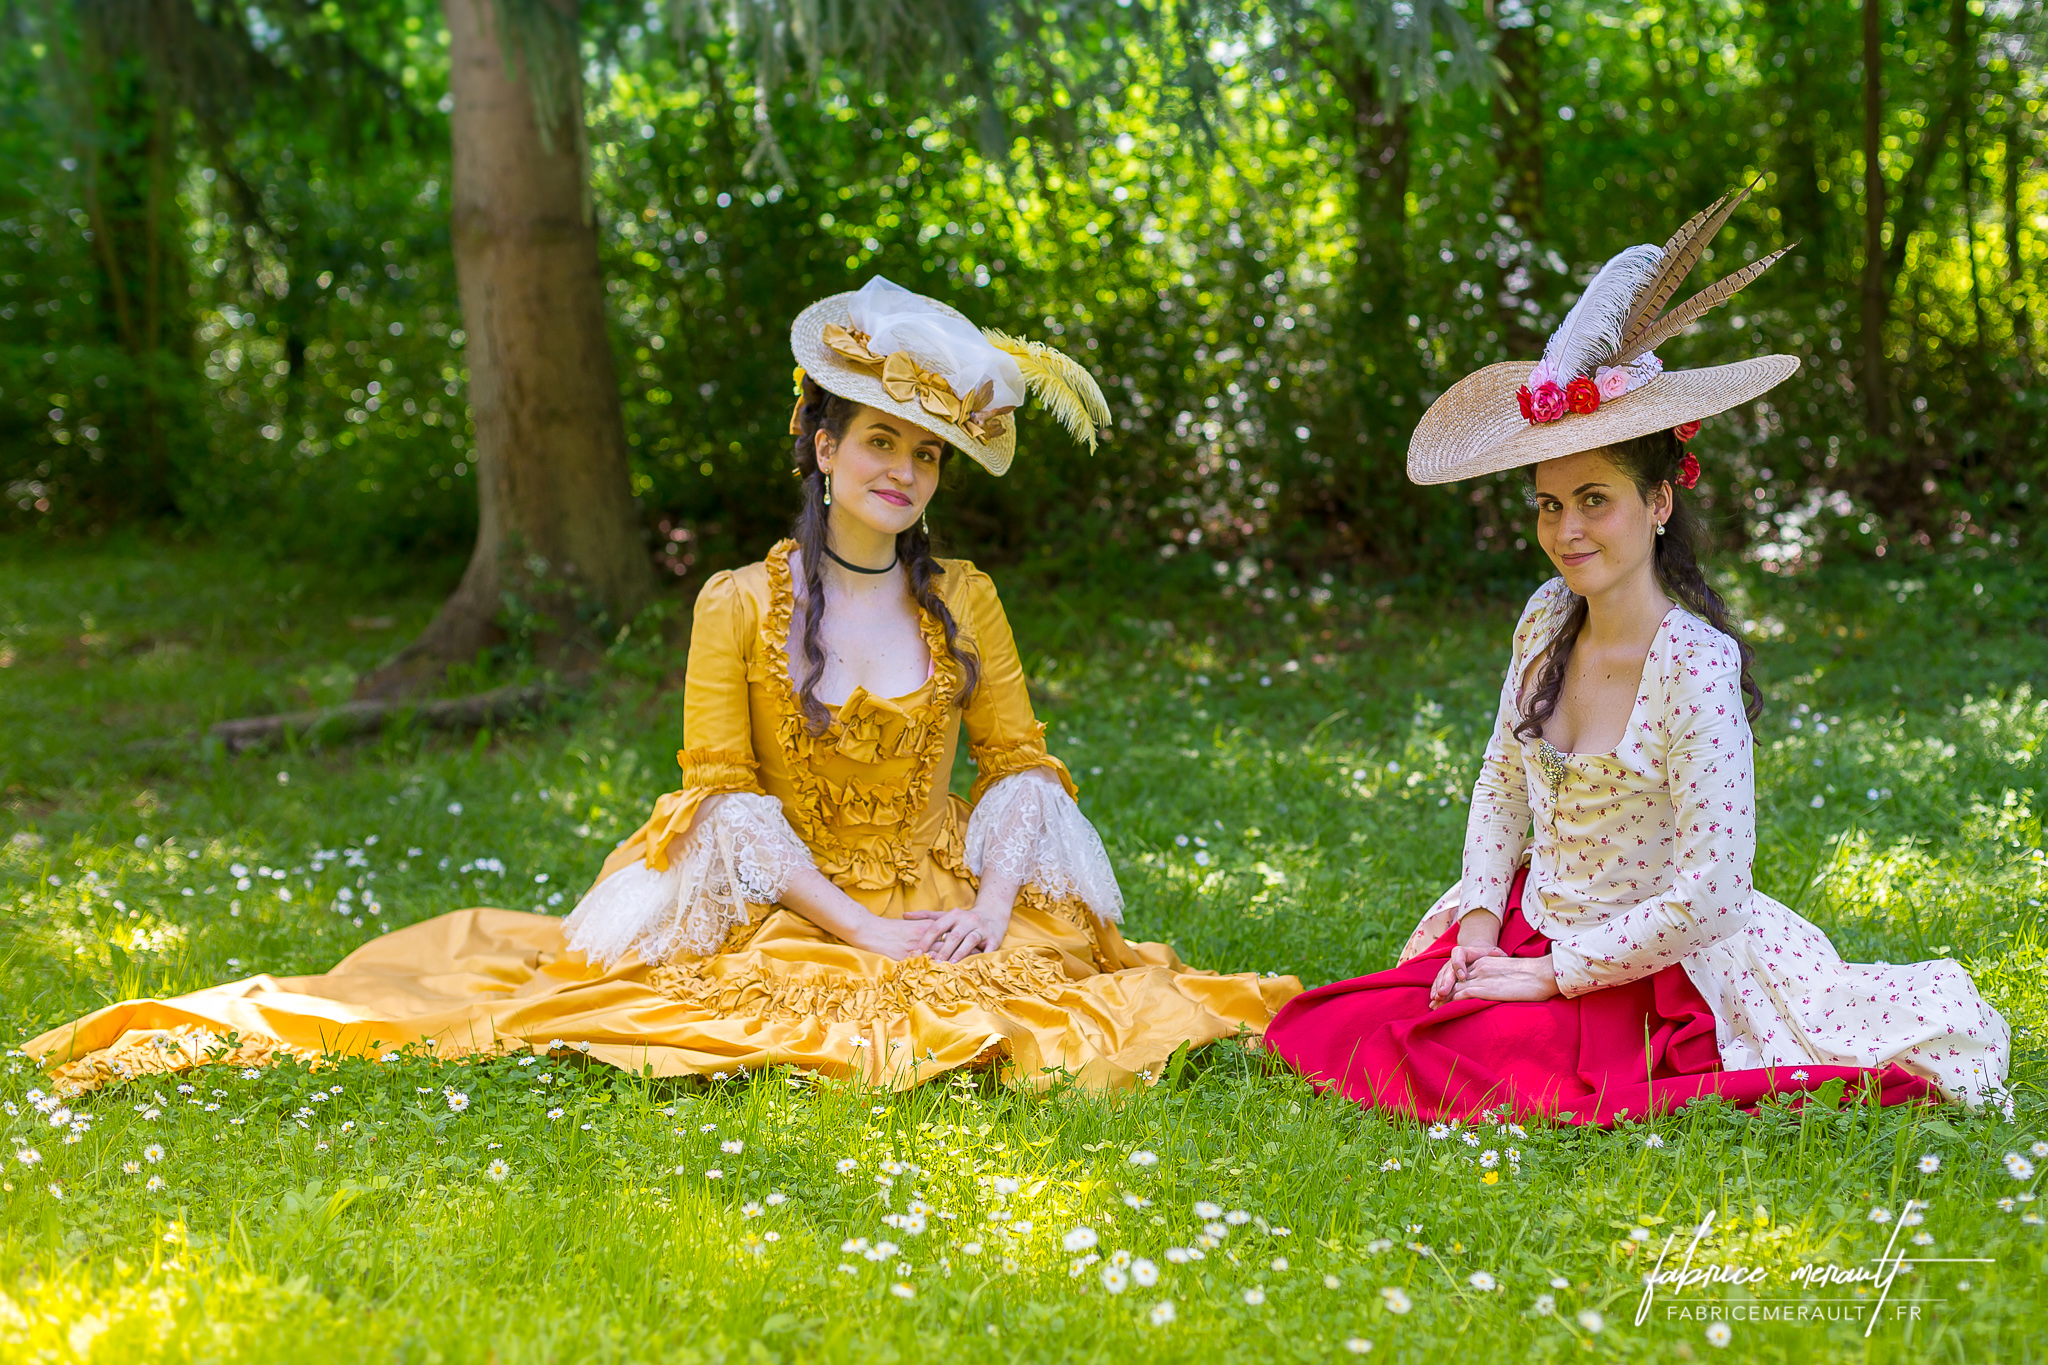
(856, 568)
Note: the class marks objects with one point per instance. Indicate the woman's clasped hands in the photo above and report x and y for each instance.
(1478, 969)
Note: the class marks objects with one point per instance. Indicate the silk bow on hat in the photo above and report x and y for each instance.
(907, 381)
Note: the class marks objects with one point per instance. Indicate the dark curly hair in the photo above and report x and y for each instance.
(823, 410)
(1648, 461)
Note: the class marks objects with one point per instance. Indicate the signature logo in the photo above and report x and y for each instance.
(1885, 1268)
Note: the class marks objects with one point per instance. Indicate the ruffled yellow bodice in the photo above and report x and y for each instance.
(869, 796)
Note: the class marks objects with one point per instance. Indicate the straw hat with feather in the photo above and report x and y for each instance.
(888, 348)
(1599, 381)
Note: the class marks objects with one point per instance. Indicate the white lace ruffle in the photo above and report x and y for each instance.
(742, 851)
(1033, 831)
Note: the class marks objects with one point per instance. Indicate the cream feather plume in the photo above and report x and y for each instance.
(1060, 383)
(1591, 332)
(1713, 296)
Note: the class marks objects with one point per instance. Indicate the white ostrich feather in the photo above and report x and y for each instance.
(1591, 332)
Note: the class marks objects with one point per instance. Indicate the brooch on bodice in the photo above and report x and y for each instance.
(1552, 763)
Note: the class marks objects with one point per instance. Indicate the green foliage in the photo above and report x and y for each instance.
(1231, 211)
(1312, 757)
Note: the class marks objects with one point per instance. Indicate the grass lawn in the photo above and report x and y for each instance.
(1280, 792)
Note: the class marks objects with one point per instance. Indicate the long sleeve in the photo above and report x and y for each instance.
(1497, 826)
(659, 894)
(718, 729)
(1709, 764)
(1023, 827)
(1003, 736)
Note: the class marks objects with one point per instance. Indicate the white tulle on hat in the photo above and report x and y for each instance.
(895, 319)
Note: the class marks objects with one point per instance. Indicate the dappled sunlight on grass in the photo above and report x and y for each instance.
(1278, 795)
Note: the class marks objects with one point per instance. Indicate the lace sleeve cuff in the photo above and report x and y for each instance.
(993, 763)
(742, 852)
(1035, 833)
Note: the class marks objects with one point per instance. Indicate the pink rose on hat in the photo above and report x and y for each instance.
(1611, 381)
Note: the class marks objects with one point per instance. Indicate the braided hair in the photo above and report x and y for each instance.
(823, 410)
(1648, 461)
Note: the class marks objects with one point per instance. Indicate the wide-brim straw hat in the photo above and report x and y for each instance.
(1477, 426)
(837, 374)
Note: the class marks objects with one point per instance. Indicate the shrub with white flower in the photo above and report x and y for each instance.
(1255, 1296)
(902, 1291)
(732, 1146)
(457, 1101)
(1396, 1300)
(1144, 1158)
(1482, 1281)
(1929, 1164)
(1718, 1334)
(1162, 1313)
(1080, 1239)
(2018, 1167)
(1206, 1210)
(1880, 1215)
(1358, 1346)
(1591, 1320)
(153, 1153)
(498, 1170)
(1144, 1273)
(1115, 1279)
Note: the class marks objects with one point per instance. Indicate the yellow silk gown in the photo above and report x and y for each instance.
(869, 800)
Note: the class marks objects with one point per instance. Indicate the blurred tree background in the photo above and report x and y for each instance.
(1275, 229)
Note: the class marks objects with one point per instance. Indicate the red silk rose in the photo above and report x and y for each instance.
(1522, 397)
(1688, 469)
(1547, 403)
(1686, 431)
(1582, 395)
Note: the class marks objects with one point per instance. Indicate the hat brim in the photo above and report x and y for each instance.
(1477, 427)
(836, 374)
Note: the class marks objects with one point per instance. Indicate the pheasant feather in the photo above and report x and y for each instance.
(1681, 253)
(1060, 383)
(1683, 316)
(1592, 330)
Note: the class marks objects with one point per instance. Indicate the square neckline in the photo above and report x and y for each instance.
(1611, 755)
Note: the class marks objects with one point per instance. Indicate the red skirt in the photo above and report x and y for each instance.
(1625, 1051)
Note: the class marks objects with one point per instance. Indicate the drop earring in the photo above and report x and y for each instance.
(828, 497)
(1660, 525)
(925, 520)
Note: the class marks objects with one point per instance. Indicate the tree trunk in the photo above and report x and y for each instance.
(1874, 290)
(1965, 63)
(1383, 351)
(556, 523)
(1518, 112)
(2015, 275)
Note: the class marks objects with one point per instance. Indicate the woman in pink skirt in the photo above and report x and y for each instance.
(1606, 953)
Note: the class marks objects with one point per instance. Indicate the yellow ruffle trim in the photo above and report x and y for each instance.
(867, 733)
(166, 1051)
(808, 993)
(995, 762)
(717, 770)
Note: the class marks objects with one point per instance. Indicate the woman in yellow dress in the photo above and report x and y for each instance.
(813, 894)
